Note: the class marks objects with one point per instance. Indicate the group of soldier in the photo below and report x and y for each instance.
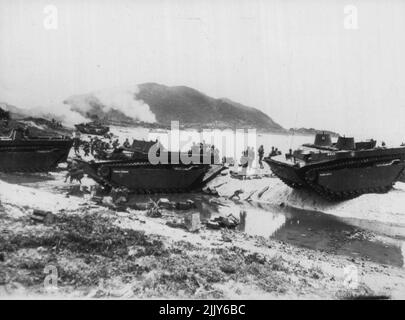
(96, 147)
(274, 152)
(99, 148)
(205, 151)
(56, 124)
(248, 156)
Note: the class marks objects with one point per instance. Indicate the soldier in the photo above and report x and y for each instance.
(212, 154)
(260, 152)
(201, 153)
(127, 144)
(76, 145)
(86, 148)
(116, 144)
(216, 156)
(244, 162)
(74, 172)
(251, 156)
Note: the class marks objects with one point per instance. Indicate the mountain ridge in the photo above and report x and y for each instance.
(190, 106)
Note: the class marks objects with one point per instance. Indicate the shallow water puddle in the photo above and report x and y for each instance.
(370, 240)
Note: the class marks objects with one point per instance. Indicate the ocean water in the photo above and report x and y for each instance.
(230, 147)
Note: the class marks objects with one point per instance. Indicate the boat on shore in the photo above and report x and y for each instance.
(94, 128)
(144, 178)
(132, 169)
(342, 170)
(21, 152)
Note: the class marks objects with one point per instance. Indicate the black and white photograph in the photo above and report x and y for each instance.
(201, 150)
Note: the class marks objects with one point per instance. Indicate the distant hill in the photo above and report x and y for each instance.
(193, 109)
(311, 131)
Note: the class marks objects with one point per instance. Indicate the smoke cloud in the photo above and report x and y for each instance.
(59, 112)
(114, 104)
(110, 102)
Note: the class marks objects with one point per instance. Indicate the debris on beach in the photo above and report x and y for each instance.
(119, 195)
(242, 176)
(97, 199)
(260, 194)
(210, 191)
(154, 211)
(213, 190)
(192, 221)
(41, 216)
(229, 222)
(142, 206)
(249, 197)
(165, 203)
(77, 190)
(212, 225)
(236, 194)
(185, 205)
(176, 205)
(176, 223)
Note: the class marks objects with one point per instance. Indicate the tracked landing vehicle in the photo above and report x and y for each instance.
(130, 168)
(92, 128)
(341, 170)
(21, 152)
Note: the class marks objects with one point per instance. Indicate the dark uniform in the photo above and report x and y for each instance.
(260, 152)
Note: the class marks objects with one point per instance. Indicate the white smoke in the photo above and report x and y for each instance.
(121, 99)
(59, 112)
(77, 109)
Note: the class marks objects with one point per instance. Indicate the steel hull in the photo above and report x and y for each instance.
(148, 178)
(94, 131)
(34, 155)
(343, 178)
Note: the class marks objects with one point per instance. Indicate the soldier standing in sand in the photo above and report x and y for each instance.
(76, 145)
(261, 154)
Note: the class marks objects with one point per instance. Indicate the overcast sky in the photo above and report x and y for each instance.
(293, 59)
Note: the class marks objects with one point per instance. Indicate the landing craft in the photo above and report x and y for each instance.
(24, 153)
(92, 128)
(131, 168)
(341, 170)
